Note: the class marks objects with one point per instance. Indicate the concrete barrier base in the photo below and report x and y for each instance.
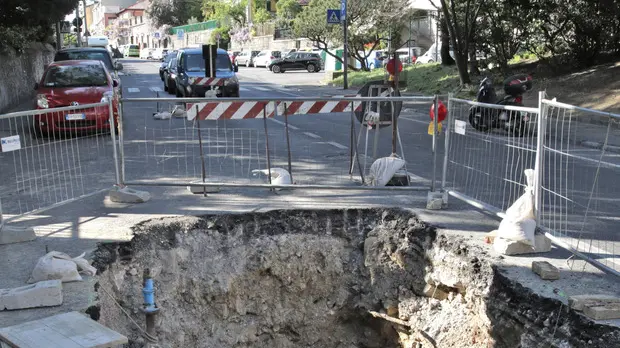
(11, 234)
(436, 200)
(127, 195)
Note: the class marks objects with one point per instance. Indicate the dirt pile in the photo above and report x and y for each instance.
(310, 279)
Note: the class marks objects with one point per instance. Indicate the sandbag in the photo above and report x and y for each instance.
(383, 169)
(57, 265)
(279, 176)
(520, 222)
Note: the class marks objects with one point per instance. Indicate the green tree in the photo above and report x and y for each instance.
(368, 22)
(175, 12)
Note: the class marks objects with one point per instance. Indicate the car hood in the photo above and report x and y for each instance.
(220, 74)
(277, 60)
(64, 96)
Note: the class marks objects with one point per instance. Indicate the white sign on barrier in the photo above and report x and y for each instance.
(459, 127)
(11, 143)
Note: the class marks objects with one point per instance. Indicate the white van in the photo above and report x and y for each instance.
(98, 41)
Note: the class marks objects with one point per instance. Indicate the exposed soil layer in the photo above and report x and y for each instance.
(310, 278)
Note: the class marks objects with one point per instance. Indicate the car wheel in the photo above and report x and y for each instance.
(165, 88)
(276, 69)
(177, 93)
(310, 68)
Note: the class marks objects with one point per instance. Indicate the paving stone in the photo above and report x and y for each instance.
(509, 247)
(578, 302)
(545, 270)
(42, 294)
(603, 312)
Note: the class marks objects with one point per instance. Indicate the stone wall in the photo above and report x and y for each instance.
(259, 43)
(20, 72)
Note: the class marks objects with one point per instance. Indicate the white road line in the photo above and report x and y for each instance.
(155, 89)
(133, 90)
(284, 124)
(243, 89)
(335, 144)
(312, 135)
(262, 88)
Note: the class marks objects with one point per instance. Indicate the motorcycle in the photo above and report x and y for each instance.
(485, 119)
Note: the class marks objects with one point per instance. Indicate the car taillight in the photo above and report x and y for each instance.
(272, 57)
(519, 99)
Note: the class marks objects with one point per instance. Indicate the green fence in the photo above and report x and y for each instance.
(212, 24)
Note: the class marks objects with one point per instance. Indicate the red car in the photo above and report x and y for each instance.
(74, 83)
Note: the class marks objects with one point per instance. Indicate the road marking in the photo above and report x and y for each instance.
(312, 135)
(243, 89)
(155, 89)
(340, 146)
(284, 124)
(133, 90)
(262, 89)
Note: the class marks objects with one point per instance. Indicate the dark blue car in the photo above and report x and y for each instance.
(191, 74)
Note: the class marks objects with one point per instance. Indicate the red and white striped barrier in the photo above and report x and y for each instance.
(253, 109)
(206, 81)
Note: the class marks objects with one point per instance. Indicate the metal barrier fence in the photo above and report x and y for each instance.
(53, 156)
(486, 164)
(578, 195)
(226, 142)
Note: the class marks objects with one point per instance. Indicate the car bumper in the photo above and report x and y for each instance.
(96, 119)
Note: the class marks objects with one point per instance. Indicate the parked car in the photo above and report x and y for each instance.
(131, 51)
(72, 83)
(297, 61)
(89, 53)
(170, 75)
(263, 58)
(164, 64)
(160, 53)
(246, 58)
(146, 53)
(191, 66)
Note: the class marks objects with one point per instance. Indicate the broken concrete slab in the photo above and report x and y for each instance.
(509, 247)
(435, 200)
(127, 195)
(545, 270)
(12, 234)
(579, 302)
(435, 292)
(603, 312)
(59, 331)
(42, 294)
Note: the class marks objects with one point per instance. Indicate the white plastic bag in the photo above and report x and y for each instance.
(520, 222)
(383, 169)
(57, 265)
(279, 176)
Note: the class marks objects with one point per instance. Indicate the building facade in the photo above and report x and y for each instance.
(103, 12)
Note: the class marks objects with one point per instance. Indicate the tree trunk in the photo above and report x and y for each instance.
(473, 61)
(461, 63)
(446, 58)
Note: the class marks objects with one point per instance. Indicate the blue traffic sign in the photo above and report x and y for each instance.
(333, 16)
(343, 9)
(180, 34)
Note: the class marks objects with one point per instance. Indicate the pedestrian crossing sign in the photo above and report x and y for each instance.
(333, 16)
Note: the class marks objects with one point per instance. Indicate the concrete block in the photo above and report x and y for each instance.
(127, 195)
(202, 189)
(603, 312)
(509, 247)
(578, 302)
(12, 234)
(545, 270)
(436, 200)
(42, 294)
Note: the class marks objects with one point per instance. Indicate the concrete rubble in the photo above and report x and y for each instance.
(42, 294)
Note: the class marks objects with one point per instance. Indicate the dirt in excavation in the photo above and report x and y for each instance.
(309, 279)
(280, 279)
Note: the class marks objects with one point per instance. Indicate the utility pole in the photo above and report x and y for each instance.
(86, 32)
(58, 36)
(345, 53)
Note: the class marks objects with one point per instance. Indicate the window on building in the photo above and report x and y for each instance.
(140, 19)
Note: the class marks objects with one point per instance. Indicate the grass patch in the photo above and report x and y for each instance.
(427, 79)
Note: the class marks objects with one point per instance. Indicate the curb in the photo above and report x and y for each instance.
(599, 146)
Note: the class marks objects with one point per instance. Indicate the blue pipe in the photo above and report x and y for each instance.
(149, 295)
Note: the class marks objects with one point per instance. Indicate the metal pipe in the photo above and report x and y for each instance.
(270, 186)
(497, 107)
(267, 143)
(356, 142)
(577, 108)
(117, 172)
(149, 307)
(121, 142)
(434, 146)
(539, 165)
(202, 156)
(444, 170)
(288, 140)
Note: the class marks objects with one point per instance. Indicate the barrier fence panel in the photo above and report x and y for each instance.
(53, 156)
(172, 142)
(488, 149)
(579, 196)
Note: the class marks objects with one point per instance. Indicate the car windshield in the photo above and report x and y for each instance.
(75, 76)
(169, 57)
(85, 55)
(132, 47)
(195, 63)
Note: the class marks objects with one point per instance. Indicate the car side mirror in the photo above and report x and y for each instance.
(115, 83)
(236, 68)
(36, 86)
(119, 66)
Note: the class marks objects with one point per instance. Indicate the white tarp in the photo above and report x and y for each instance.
(383, 169)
